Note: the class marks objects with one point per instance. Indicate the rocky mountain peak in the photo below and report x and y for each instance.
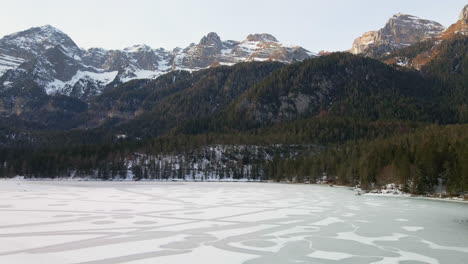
(458, 28)
(44, 34)
(50, 29)
(139, 48)
(464, 14)
(406, 20)
(400, 31)
(212, 39)
(436, 45)
(34, 41)
(263, 37)
(407, 29)
(403, 16)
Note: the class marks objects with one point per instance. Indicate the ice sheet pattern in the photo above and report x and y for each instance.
(251, 223)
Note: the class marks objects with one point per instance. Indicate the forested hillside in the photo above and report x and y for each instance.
(355, 119)
(419, 161)
(344, 85)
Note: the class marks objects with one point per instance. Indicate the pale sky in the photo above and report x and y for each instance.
(314, 24)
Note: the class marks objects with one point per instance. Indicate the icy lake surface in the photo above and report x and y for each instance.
(227, 223)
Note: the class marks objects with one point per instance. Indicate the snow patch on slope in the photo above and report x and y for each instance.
(9, 63)
(102, 78)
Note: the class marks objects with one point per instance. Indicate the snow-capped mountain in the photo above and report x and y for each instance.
(256, 47)
(49, 58)
(400, 31)
(35, 41)
(142, 61)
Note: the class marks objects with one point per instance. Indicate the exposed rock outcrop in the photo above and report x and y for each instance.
(400, 31)
(431, 48)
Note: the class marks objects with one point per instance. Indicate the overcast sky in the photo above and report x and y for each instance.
(314, 24)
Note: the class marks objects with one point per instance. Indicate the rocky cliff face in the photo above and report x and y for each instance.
(464, 14)
(362, 43)
(399, 32)
(50, 59)
(416, 57)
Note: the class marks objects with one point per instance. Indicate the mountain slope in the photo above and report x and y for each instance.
(339, 84)
(444, 57)
(200, 96)
(250, 96)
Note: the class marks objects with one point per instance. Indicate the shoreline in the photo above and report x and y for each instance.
(350, 188)
(417, 197)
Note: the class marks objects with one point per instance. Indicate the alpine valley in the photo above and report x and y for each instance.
(393, 109)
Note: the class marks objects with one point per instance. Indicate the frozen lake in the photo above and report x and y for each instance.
(226, 223)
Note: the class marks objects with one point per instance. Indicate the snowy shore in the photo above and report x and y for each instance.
(394, 190)
(389, 190)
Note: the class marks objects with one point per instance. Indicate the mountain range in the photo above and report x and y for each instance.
(52, 60)
(45, 78)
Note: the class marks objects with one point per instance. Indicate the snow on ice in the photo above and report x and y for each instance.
(252, 223)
